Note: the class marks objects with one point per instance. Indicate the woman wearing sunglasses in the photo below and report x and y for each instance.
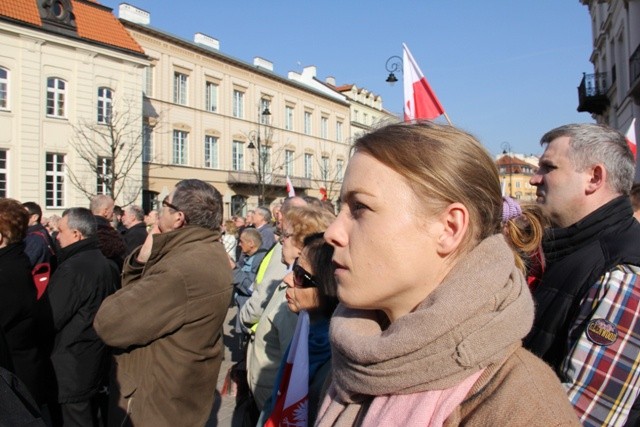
(311, 291)
(433, 308)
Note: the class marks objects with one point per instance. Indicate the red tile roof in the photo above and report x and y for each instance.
(94, 22)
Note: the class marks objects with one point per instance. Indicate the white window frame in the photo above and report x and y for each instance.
(147, 81)
(210, 152)
(308, 165)
(56, 95)
(288, 162)
(180, 148)
(288, 117)
(339, 169)
(180, 88)
(264, 105)
(308, 117)
(105, 105)
(147, 143)
(338, 131)
(4, 173)
(211, 96)
(4, 89)
(105, 172)
(54, 178)
(324, 127)
(325, 168)
(238, 103)
(237, 156)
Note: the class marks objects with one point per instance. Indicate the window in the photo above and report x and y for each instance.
(288, 162)
(147, 81)
(365, 118)
(4, 89)
(180, 88)
(237, 153)
(56, 93)
(104, 176)
(180, 147)
(355, 115)
(3, 173)
(308, 165)
(238, 205)
(210, 152)
(264, 106)
(54, 190)
(288, 118)
(324, 127)
(147, 143)
(307, 123)
(325, 168)
(265, 158)
(211, 97)
(339, 131)
(238, 104)
(105, 105)
(339, 169)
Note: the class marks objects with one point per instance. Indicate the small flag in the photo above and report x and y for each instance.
(290, 190)
(420, 102)
(631, 138)
(323, 193)
(292, 404)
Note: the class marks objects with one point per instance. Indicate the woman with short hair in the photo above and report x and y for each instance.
(433, 307)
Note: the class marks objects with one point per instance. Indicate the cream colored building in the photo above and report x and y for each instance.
(207, 111)
(611, 93)
(62, 64)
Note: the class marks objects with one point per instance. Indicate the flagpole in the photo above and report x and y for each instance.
(446, 116)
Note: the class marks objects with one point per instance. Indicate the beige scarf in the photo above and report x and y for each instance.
(477, 316)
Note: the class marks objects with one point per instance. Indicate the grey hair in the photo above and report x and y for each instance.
(81, 219)
(264, 213)
(136, 211)
(100, 202)
(595, 143)
(253, 235)
(200, 202)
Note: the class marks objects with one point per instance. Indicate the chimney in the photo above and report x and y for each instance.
(205, 40)
(331, 80)
(310, 71)
(262, 63)
(133, 14)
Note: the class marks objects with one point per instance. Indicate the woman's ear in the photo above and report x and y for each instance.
(455, 223)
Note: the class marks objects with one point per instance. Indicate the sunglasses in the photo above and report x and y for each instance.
(302, 278)
(169, 205)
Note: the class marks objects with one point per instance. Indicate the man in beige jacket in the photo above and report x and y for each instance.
(167, 318)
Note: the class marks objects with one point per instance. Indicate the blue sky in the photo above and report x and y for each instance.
(506, 71)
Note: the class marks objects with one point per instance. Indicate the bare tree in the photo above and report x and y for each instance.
(110, 149)
(331, 167)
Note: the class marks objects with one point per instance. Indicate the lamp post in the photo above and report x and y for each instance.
(506, 150)
(393, 65)
(256, 143)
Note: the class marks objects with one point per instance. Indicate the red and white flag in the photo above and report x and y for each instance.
(420, 102)
(290, 191)
(292, 404)
(323, 193)
(631, 138)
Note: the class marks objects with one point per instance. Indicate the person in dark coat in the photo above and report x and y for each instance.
(79, 357)
(110, 241)
(40, 247)
(136, 229)
(18, 299)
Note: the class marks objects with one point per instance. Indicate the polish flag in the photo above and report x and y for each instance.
(323, 193)
(420, 102)
(290, 191)
(631, 138)
(292, 404)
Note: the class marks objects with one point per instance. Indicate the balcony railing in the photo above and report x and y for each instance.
(592, 93)
(634, 73)
(270, 180)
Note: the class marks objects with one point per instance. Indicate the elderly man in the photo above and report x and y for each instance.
(82, 281)
(262, 223)
(136, 229)
(110, 240)
(167, 318)
(587, 322)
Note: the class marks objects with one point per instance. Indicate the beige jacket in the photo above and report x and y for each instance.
(167, 319)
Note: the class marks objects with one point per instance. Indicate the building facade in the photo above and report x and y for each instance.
(515, 173)
(611, 93)
(66, 69)
(239, 126)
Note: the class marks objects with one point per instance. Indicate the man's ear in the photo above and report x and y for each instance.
(455, 223)
(597, 179)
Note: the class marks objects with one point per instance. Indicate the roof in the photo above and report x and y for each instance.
(94, 22)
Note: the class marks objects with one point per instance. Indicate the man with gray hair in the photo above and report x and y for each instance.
(136, 229)
(84, 278)
(167, 319)
(262, 223)
(587, 324)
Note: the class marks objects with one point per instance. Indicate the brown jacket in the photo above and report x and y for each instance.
(523, 391)
(168, 318)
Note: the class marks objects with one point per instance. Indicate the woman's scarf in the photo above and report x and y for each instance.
(474, 318)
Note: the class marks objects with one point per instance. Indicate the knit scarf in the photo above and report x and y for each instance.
(476, 317)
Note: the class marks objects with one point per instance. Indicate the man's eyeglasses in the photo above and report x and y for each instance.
(302, 278)
(169, 205)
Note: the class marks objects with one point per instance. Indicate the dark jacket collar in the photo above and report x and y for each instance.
(78, 247)
(559, 242)
(13, 249)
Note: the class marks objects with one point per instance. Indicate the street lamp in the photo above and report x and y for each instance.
(393, 65)
(506, 150)
(254, 137)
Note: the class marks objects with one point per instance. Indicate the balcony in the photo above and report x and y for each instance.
(634, 75)
(248, 178)
(592, 93)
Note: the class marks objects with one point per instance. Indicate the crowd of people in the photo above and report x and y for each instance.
(430, 298)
